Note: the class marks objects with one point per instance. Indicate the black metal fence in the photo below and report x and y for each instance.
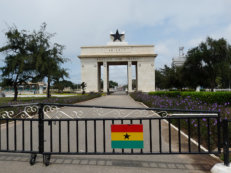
(52, 129)
(226, 141)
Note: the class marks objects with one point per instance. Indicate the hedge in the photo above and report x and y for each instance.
(206, 97)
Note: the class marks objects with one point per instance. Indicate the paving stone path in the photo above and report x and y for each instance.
(108, 164)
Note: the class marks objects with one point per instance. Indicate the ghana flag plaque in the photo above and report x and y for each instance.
(127, 136)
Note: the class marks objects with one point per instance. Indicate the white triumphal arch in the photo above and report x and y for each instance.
(118, 52)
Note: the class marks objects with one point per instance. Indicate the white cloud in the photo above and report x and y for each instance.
(195, 42)
(86, 22)
(166, 50)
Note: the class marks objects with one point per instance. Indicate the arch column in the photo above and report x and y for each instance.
(105, 76)
(129, 76)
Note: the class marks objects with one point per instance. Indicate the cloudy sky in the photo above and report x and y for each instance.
(167, 24)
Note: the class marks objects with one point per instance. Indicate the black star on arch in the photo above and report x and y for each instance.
(117, 36)
(126, 136)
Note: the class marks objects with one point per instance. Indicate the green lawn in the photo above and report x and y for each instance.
(4, 100)
(64, 100)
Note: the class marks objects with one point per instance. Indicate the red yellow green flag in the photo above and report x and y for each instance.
(127, 136)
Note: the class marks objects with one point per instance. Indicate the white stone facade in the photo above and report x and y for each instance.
(93, 57)
(178, 61)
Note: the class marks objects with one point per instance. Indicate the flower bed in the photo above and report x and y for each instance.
(188, 103)
(205, 97)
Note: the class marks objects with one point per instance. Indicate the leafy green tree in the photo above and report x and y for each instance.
(159, 79)
(18, 68)
(207, 63)
(112, 84)
(134, 83)
(169, 77)
(47, 57)
(60, 85)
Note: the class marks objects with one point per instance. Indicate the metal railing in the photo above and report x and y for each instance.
(226, 141)
(49, 129)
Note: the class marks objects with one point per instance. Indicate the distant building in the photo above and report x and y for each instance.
(28, 88)
(179, 61)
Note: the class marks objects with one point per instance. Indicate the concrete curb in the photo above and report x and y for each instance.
(221, 168)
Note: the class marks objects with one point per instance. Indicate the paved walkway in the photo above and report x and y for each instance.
(109, 164)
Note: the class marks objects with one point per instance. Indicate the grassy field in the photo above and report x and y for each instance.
(66, 94)
(64, 100)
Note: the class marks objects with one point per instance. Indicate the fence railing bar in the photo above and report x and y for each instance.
(199, 134)
(15, 135)
(219, 133)
(141, 150)
(95, 149)
(104, 142)
(128, 153)
(160, 137)
(179, 136)
(226, 146)
(77, 135)
(7, 134)
(169, 136)
(41, 129)
(208, 124)
(131, 108)
(86, 141)
(68, 136)
(189, 135)
(60, 137)
(31, 136)
(51, 137)
(150, 132)
(119, 119)
(23, 135)
(113, 150)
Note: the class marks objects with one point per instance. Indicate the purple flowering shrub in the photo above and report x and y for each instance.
(187, 103)
(179, 102)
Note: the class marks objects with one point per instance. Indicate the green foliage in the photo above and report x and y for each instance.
(60, 85)
(206, 97)
(112, 84)
(19, 66)
(209, 97)
(31, 57)
(169, 77)
(166, 93)
(47, 57)
(208, 64)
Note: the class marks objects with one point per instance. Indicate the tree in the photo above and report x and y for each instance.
(83, 87)
(169, 77)
(207, 63)
(134, 83)
(112, 84)
(18, 67)
(47, 57)
(60, 85)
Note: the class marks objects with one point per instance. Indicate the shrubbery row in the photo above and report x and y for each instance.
(206, 97)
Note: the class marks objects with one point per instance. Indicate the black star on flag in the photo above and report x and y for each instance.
(126, 136)
(117, 36)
